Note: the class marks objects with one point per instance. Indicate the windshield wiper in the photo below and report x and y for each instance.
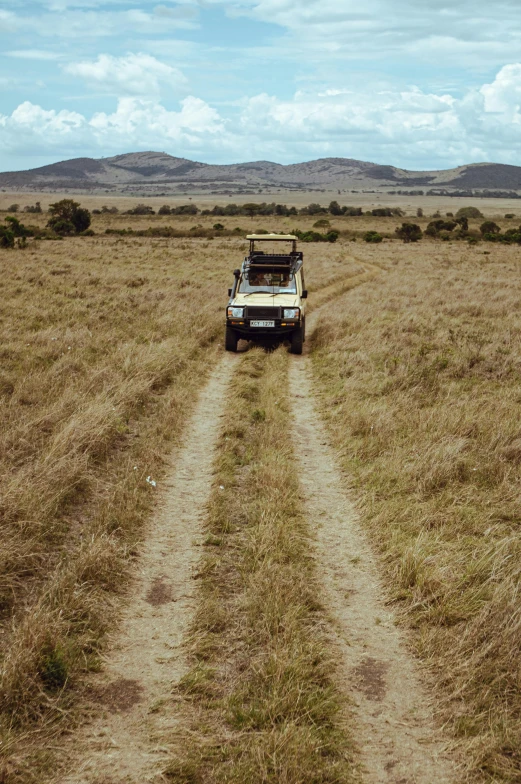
(256, 292)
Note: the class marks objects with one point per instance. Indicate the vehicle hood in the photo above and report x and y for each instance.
(264, 300)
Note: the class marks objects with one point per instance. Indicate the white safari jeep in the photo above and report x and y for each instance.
(267, 300)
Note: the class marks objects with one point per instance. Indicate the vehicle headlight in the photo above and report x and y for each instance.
(291, 313)
(235, 312)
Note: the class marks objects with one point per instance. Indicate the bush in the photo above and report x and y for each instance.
(164, 210)
(218, 226)
(13, 208)
(140, 209)
(6, 237)
(469, 212)
(33, 208)
(489, 227)
(316, 236)
(18, 229)
(372, 236)
(67, 213)
(61, 226)
(323, 223)
(409, 232)
(435, 226)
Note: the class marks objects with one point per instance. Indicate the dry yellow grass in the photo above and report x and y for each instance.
(418, 374)
(261, 692)
(104, 343)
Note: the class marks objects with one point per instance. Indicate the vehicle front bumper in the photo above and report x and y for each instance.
(281, 327)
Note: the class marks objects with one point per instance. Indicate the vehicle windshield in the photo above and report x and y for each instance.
(270, 282)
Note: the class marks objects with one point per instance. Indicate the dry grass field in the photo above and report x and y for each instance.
(418, 375)
(104, 343)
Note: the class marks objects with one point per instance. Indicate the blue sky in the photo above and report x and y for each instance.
(420, 84)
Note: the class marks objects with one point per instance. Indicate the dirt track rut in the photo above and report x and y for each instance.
(127, 739)
(393, 723)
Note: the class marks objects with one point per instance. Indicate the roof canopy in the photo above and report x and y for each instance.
(272, 237)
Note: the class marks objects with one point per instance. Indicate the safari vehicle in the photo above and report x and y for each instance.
(267, 300)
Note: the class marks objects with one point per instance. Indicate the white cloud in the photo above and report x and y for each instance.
(141, 120)
(135, 124)
(504, 94)
(93, 22)
(410, 128)
(33, 54)
(134, 74)
(462, 32)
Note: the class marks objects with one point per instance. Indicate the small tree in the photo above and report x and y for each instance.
(469, 212)
(13, 208)
(66, 213)
(372, 236)
(409, 232)
(335, 208)
(6, 237)
(489, 227)
(419, 212)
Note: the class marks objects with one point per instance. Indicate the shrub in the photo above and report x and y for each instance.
(218, 226)
(140, 209)
(316, 236)
(489, 227)
(409, 232)
(323, 223)
(61, 226)
(67, 213)
(13, 208)
(6, 237)
(469, 212)
(510, 215)
(335, 208)
(419, 212)
(18, 229)
(34, 208)
(372, 236)
(435, 226)
(164, 210)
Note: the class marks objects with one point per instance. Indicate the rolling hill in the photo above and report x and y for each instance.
(155, 173)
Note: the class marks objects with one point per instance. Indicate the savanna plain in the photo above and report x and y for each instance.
(107, 342)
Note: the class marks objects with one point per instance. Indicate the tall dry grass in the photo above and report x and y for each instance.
(261, 693)
(418, 374)
(104, 343)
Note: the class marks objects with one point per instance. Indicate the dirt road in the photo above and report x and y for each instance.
(395, 731)
(133, 712)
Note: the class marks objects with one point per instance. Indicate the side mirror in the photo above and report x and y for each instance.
(229, 292)
(237, 273)
(304, 294)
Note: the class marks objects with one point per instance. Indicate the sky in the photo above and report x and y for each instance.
(420, 84)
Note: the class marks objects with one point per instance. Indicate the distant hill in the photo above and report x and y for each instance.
(157, 173)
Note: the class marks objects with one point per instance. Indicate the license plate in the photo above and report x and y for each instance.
(262, 323)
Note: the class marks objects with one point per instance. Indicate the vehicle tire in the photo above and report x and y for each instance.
(231, 338)
(297, 339)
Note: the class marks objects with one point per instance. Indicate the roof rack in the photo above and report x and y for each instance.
(259, 259)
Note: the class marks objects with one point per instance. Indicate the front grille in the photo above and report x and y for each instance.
(262, 313)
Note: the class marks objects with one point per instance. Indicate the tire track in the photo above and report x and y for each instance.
(133, 717)
(393, 722)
